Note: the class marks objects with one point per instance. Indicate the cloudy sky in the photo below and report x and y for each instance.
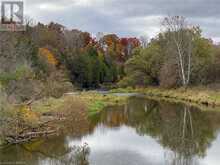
(126, 17)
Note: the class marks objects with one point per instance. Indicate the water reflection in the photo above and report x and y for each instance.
(41, 153)
(141, 132)
(184, 132)
(75, 156)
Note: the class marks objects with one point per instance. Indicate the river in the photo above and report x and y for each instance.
(142, 132)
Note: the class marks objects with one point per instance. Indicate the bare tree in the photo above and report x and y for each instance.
(144, 41)
(75, 39)
(100, 40)
(99, 36)
(180, 38)
(29, 22)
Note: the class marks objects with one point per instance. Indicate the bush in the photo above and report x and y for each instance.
(168, 76)
(6, 115)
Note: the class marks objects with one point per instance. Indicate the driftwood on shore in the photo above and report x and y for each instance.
(16, 139)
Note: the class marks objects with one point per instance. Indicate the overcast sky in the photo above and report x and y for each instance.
(126, 17)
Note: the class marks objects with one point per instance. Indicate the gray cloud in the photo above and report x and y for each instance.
(126, 17)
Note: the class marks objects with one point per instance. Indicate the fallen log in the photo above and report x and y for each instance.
(37, 133)
(16, 139)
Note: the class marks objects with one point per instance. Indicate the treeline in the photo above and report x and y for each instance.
(44, 59)
(90, 61)
(48, 60)
(179, 56)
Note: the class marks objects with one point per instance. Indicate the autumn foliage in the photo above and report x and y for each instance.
(48, 55)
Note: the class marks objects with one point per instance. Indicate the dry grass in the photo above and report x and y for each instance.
(199, 95)
(67, 113)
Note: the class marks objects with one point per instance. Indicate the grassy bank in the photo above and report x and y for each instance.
(90, 102)
(51, 116)
(197, 95)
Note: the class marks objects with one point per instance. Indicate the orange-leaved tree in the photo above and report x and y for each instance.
(46, 53)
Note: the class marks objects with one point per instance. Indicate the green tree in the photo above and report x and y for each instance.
(89, 70)
(144, 66)
(203, 54)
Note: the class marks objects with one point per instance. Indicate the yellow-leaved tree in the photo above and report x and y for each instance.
(48, 55)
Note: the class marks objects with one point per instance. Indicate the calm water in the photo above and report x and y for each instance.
(143, 132)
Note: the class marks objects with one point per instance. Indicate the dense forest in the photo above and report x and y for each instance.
(49, 60)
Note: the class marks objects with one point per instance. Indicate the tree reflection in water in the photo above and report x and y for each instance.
(49, 152)
(186, 131)
(78, 155)
(187, 148)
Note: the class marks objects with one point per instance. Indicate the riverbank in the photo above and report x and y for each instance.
(196, 95)
(50, 116)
